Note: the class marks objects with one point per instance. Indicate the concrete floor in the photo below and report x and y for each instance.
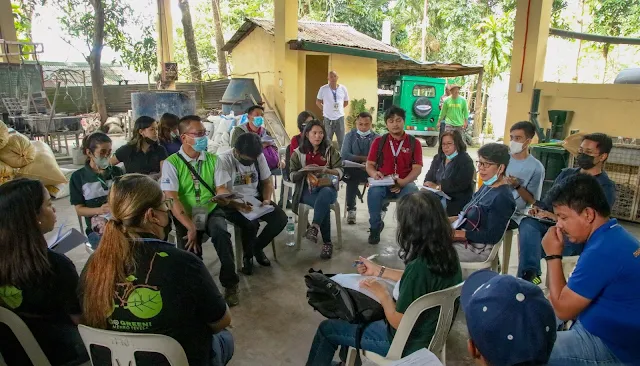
(274, 325)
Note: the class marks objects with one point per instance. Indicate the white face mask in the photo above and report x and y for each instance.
(516, 147)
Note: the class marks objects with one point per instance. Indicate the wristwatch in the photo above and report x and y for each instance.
(517, 187)
(381, 271)
(550, 257)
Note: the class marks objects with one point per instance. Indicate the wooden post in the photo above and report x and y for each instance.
(478, 107)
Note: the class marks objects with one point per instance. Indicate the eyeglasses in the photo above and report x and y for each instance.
(196, 134)
(485, 164)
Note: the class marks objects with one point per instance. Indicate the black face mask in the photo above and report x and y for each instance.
(585, 161)
(246, 162)
(150, 141)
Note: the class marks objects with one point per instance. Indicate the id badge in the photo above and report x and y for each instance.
(336, 106)
(199, 217)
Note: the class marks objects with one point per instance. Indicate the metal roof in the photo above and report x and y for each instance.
(335, 34)
(113, 74)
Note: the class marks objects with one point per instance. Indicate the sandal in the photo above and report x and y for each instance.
(327, 251)
(312, 233)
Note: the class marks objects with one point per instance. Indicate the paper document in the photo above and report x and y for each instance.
(312, 168)
(422, 357)
(459, 221)
(543, 220)
(384, 182)
(436, 191)
(226, 196)
(257, 209)
(352, 164)
(352, 281)
(64, 242)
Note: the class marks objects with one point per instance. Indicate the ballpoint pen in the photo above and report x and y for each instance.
(371, 257)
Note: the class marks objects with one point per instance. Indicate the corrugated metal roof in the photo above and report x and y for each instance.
(336, 34)
(113, 74)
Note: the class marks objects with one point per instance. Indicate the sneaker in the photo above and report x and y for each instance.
(312, 233)
(247, 266)
(231, 296)
(374, 234)
(351, 217)
(327, 251)
(532, 277)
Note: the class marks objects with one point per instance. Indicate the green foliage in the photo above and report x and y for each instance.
(204, 35)
(488, 128)
(357, 106)
(366, 16)
(493, 44)
(141, 55)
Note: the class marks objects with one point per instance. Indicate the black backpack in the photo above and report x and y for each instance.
(336, 302)
(383, 140)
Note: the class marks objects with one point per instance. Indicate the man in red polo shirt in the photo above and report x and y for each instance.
(397, 158)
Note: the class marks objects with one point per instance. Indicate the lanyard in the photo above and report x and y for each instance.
(335, 94)
(196, 181)
(395, 155)
(476, 200)
(105, 186)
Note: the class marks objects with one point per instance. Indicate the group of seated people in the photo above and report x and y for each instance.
(509, 320)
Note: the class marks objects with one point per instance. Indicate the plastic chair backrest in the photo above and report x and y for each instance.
(124, 345)
(445, 299)
(24, 336)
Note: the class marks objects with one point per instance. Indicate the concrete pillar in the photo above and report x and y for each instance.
(286, 63)
(164, 27)
(8, 31)
(527, 60)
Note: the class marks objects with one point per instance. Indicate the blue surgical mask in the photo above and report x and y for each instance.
(491, 180)
(201, 143)
(258, 121)
(363, 134)
(455, 153)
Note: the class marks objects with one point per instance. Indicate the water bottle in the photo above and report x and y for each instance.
(291, 230)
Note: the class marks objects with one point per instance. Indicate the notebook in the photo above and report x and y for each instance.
(384, 182)
(64, 242)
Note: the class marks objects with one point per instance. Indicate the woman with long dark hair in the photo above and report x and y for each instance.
(89, 186)
(36, 283)
(135, 282)
(452, 172)
(316, 169)
(143, 153)
(431, 264)
(169, 135)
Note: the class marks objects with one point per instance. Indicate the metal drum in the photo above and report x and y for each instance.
(155, 104)
(237, 96)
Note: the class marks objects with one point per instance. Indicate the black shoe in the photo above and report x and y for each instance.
(374, 236)
(262, 259)
(247, 265)
(532, 277)
(231, 296)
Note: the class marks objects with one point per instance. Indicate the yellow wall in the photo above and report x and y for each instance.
(608, 108)
(254, 56)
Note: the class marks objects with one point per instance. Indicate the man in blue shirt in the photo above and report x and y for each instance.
(594, 151)
(355, 148)
(604, 290)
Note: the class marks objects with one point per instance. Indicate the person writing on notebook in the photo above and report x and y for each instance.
(431, 264)
(397, 155)
(594, 152)
(243, 170)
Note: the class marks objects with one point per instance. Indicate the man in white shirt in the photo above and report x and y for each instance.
(244, 170)
(332, 99)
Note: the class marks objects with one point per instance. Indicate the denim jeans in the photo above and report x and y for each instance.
(252, 243)
(530, 234)
(578, 347)
(337, 127)
(222, 348)
(376, 197)
(354, 177)
(320, 199)
(333, 333)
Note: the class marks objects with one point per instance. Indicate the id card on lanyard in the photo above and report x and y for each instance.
(336, 106)
(198, 213)
(395, 156)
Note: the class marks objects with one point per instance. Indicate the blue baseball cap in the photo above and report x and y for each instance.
(509, 319)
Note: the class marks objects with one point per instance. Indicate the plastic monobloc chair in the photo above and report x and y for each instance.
(24, 336)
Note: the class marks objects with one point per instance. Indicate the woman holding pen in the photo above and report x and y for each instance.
(431, 264)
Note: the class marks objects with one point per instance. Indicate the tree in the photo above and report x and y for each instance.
(189, 40)
(222, 59)
(204, 40)
(141, 55)
(98, 23)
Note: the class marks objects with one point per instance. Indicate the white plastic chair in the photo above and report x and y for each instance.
(287, 187)
(24, 336)
(445, 299)
(124, 345)
(492, 262)
(303, 219)
(507, 239)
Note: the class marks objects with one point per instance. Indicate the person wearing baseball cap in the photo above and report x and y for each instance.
(454, 112)
(510, 322)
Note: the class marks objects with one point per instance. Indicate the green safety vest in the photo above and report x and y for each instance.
(186, 190)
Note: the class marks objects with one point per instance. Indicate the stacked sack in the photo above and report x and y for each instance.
(20, 157)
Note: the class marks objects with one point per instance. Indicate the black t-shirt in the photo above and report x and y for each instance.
(43, 305)
(137, 161)
(172, 293)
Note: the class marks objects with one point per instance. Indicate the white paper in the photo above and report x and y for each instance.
(436, 191)
(352, 281)
(384, 182)
(352, 164)
(64, 242)
(257, 209)
(422, 357)
(459, 221)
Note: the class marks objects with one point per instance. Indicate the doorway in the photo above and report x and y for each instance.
(317, 68)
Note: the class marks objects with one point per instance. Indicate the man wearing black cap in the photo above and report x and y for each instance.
(509, 320)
